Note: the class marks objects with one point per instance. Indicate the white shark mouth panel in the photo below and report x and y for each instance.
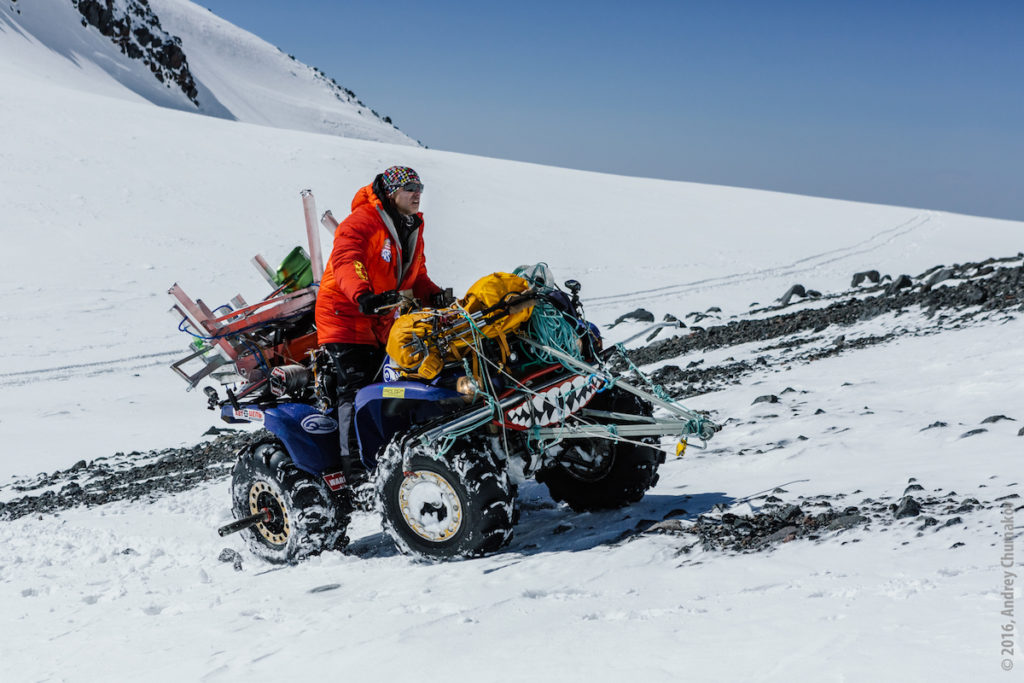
(553, 404)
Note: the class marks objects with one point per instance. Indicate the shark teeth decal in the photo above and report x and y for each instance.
(553, 404)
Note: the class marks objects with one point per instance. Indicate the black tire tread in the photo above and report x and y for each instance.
(489, 502)
(314, 532)
(633, 471)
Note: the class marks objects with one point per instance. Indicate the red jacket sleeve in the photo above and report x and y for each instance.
(349, 256)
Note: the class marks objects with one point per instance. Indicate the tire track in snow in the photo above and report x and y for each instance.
(873, 243)
(63, 372)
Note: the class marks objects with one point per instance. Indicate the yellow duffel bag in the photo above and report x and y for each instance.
(412, 343)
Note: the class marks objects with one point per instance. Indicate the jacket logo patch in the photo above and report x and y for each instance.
(360, 270)
(385, 253)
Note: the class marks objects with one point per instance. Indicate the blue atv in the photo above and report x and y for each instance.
(441, 452)
(441, 459)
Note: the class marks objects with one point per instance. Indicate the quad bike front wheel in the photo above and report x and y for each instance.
(304, 517)
(457, 505)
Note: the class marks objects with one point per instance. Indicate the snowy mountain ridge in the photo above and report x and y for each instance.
(176, 54)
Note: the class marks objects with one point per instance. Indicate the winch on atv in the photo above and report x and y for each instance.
(508, 383)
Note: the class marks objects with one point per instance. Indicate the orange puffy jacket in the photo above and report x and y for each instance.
(367, 257)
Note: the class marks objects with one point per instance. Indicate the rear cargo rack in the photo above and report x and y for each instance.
(241, 335)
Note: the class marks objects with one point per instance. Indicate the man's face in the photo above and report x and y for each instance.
(407, 201)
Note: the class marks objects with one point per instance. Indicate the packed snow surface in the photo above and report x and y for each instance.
(108, 200)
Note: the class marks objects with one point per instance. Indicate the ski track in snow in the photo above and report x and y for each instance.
(66, 372)
(803, 265)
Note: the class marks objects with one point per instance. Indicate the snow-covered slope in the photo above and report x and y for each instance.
(106, 202)
(176, 54)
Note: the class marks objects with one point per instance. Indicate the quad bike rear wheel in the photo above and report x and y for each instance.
(601, 474)
(454, 506)
(305, 517)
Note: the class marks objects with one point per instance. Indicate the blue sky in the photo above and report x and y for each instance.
(912, 103)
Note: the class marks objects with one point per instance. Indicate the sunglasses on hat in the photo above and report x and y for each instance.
(412, 187)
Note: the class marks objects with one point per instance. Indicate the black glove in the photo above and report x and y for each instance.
(369, 303)
(442, 299)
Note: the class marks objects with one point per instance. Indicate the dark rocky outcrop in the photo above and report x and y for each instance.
(135, 29)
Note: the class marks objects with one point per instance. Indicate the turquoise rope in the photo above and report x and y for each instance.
(655, 389)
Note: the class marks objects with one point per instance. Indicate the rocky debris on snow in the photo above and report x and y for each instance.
(767, 398)
(669, 318)
(907, 507)
(816, 518)
(939, 276)
(847, 522)
(666, 526)
(701, 380)
(785, 534)
(324, 588)
(902, 282)
(800, 291)
(976, 295)
(992, 419)
(968, 505)
(1020, 432)
(232, 556)
(128, 477)
(871, 276)
(698, 316)
(973, 432)
(1000, 290)
(934, 425)
(761, 530)
(640, 315)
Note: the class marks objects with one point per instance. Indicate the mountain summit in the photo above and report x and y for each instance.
(176, 54)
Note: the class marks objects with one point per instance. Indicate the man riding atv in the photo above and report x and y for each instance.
(377, 254)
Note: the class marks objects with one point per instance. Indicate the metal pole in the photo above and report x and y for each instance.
(329, 223)
(316, 258)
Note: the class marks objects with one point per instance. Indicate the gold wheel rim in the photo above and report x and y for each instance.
(430, 506)
(255, 491)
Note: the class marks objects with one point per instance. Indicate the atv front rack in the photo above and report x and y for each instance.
(683, 423)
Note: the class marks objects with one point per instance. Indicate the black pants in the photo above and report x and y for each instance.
(355, 365)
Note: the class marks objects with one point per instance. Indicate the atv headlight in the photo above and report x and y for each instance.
(467, 386)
